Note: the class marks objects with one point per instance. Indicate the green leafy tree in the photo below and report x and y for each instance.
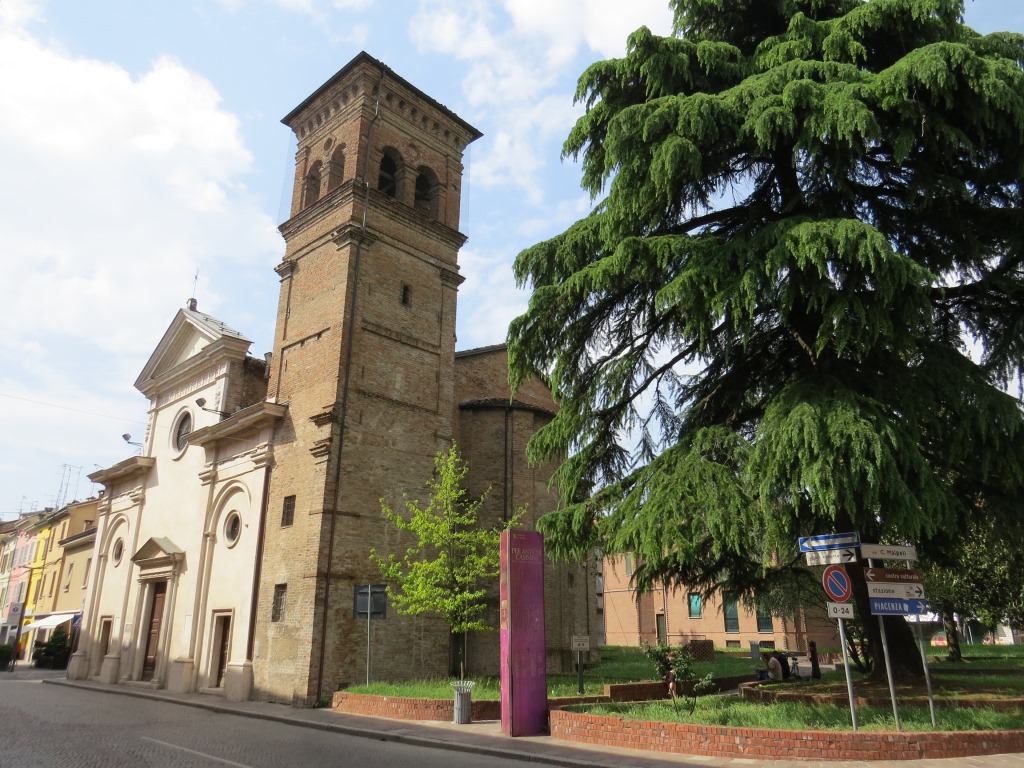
(980, 576)
(799, 299)
(454, 565)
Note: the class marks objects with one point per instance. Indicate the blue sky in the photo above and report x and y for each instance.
(141, 143)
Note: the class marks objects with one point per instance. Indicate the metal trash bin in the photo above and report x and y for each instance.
(463, 713)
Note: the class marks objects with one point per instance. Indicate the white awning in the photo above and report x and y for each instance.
(49, 622)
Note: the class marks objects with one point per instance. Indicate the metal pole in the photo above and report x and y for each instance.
(849, 680)
(888, 668)
(579, 667)
(369, 616)
(927, 674)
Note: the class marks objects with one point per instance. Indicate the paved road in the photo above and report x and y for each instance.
(51, 726)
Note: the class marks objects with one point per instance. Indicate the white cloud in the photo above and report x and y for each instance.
(116, 190)
(17, 14)
(522, 67)
(496, 300)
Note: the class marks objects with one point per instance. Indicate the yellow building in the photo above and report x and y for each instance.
(55, 590)
(39, 533)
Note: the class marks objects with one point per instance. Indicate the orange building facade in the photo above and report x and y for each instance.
(677, 616)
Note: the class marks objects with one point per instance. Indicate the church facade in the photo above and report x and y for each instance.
(232, 551)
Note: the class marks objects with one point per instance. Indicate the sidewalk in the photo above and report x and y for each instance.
(486, 738)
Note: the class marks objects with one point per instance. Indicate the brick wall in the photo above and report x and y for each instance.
(397, 708)
(717, 741)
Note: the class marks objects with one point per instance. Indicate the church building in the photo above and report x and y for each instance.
(232, 552)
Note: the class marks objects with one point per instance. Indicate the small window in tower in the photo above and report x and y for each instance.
(426, 192)
(406, 295)
(311, 185)
(277, 609)
(288, 511)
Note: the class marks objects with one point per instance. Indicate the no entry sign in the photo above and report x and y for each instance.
(837, 583)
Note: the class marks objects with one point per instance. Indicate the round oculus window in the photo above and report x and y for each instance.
(182, 431)
(118, 551)
(232, 528)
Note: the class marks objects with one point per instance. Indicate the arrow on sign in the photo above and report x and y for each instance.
(829, 541)
(887, 607)
(831, 556)
(893, 575)
(898, 591)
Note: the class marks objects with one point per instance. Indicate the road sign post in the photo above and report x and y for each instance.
(846, 666)
(927, 674)
(580, 644)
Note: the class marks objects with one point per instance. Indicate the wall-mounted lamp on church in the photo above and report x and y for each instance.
(201, 402)
(128, 439)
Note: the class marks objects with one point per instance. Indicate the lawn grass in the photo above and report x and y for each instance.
(731, 711)
(979, 657)
(617, 665)
(622, 665)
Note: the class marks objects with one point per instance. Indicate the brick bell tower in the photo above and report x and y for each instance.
(364, 359)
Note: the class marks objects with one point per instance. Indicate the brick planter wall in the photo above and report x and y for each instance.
(718, 741)
(400, 708)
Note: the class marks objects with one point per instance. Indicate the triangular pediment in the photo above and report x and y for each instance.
(188, 335)
(158, 558)
(156, 548)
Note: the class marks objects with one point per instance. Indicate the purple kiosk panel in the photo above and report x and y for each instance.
(524, 685)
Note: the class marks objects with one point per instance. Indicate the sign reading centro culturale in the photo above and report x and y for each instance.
(524, 687)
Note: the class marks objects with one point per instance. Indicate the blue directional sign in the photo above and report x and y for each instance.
(829, 541)
(881, 606)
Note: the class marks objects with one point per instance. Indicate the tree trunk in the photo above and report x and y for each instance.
(903, 652)
(952, 633)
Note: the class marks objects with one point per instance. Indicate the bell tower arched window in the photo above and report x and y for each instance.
(426, 193)
(425, 200)
(336, 169)
(390, 167)
(311, 185)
